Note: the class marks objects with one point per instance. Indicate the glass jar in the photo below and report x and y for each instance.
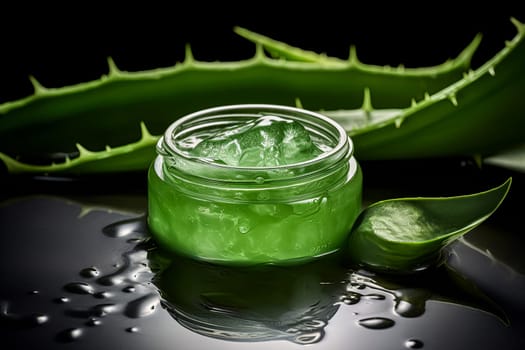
(240, 215)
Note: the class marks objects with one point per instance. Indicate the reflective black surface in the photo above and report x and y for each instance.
(79, 271)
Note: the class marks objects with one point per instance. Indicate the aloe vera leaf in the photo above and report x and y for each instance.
(397, 133)
(138, 155)
(106, 111)
(481, 114)
(279, 49)
(131, 157)
(408, 234)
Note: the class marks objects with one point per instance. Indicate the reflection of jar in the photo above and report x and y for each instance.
(251, 303)
(253, 214)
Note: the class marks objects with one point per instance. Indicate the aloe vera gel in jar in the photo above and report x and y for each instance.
(248, 184)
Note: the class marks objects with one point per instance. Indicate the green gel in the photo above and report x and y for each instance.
(248, 184)
(262, 142)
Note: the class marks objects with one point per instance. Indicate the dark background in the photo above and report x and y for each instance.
(70, 43)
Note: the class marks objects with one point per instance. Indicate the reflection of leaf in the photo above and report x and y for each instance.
(466, 292)
(407, 234)
(443, 284)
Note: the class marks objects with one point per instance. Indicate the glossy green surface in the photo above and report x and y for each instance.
(226, 229)
(408, 234)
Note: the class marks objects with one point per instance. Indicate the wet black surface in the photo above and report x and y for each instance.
(79, 271)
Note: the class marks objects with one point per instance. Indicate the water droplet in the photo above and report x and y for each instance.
(124, 228)
(411, 302)
(102, 310)
(112, 279)
(132, 329)
(39, 319)
(143, 306)
(34, 292)
(358, 285)
(130, 270)
(93, 322)
(103, 295)
(259, 179)
(351, 298)
(21, 320)
(79, 288)
(407, 309)
(62, 300)
(134, 240)
(309, 338)
(129, 289)
(313, 324)
(89, 272)
(414, 344)
(374, 297)
(243, 229)
(376, 322)
(70, 335)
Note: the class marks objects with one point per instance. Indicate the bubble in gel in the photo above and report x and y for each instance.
(263, 195)
(243, 226)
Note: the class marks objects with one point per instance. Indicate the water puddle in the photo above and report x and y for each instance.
(108, 277)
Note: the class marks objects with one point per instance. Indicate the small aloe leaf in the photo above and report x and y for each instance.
(405, 235)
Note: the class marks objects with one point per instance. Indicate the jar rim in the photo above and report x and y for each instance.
(167, 142)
